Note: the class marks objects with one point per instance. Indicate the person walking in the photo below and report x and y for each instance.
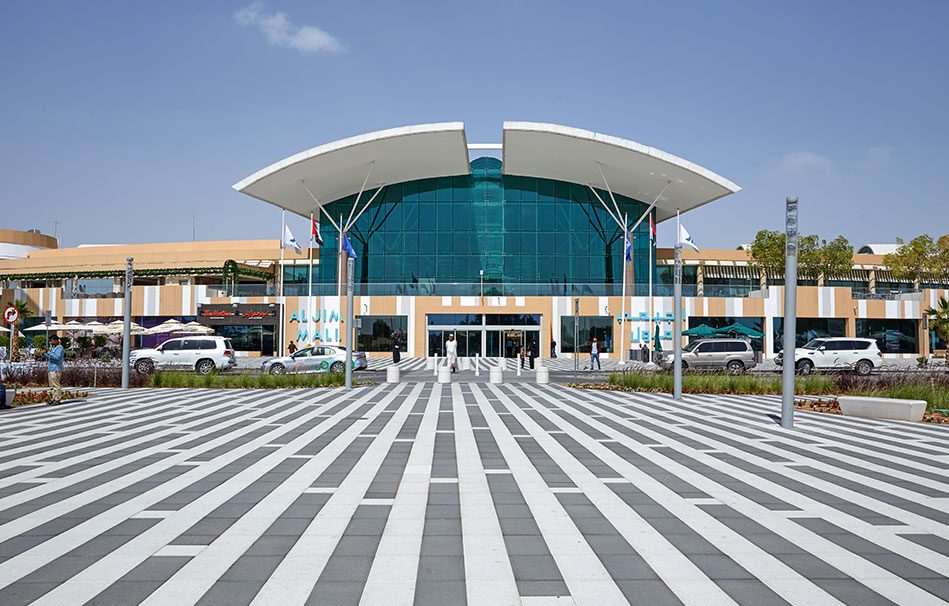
(451, 352)
(595, 354)
(645, 352)
(54, 368)
(532, 350)
(523, 355)
(553, 348)
(396, 354)
(292, 347)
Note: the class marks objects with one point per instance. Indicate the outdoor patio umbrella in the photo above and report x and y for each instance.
(740, 329)
(194, 328)
(702, 330)
(657, 345)
(52, 327)
(116, 328)
(166, 327)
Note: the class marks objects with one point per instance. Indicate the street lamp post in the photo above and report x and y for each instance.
(127, 323)
(349, 322)
(790, 313)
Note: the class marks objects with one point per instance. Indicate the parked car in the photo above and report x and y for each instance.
(836, 353)
(319, 358)
(733, 355)
(203, 354)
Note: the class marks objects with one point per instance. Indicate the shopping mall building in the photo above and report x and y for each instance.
(521, 245)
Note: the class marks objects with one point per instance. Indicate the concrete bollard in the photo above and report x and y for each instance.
(435, 366)
(543, 376)
(517, 362)
(429, 363)
(497, 375)
(392, 374)
(444, 375)
(477, 359)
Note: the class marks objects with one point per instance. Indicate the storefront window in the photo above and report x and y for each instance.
(248, 338)
(807, 329)
(892, 336)
(380, 333)
(589, 327)
(936, 343)
(723, 321)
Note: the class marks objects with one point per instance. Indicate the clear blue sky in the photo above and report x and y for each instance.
(119, 119)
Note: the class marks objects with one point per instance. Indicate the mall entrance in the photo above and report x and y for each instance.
(485, 335)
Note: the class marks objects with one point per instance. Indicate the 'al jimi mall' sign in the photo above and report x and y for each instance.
(316, 325)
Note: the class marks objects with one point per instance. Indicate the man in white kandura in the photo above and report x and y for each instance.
(451, 352)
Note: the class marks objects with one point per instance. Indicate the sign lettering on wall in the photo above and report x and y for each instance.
(324, 324)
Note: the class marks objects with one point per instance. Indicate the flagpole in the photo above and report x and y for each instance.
(309, 289)
(677, 316)
(280, 299)
(649, 324)
(627, 244)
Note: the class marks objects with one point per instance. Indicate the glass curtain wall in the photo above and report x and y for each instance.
(807, 329)
(519, 230)
(380, 333)
(892, 336)
(600, 327)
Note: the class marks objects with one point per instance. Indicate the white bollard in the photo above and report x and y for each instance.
(435, 366)
(444, 375)
(477, 365)
(543, 376)
(392, 374)
(497, 375)
(429, 363)
(517, 362)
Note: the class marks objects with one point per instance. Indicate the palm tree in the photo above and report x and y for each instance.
(939, 319)
(25, 312)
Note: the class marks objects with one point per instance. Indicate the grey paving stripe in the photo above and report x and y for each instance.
(916, 573)
(34, 585)
(244, 579)
(345, 574)
(441, 567)
(907, 469)
(715, 564)
(140, 582)
(208, 483)
(633, 575)
(821, 573)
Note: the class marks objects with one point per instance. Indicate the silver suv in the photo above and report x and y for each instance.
(203, 354)
(734, 355)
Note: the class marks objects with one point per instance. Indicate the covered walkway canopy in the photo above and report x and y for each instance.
(303, 182)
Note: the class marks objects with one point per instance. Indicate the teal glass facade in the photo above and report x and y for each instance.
(529, 235)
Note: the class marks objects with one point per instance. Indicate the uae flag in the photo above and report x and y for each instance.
(315, 232)
(652, 227)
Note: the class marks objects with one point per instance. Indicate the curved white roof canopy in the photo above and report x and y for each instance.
(339, 169)
(552, 151)
(878, 249)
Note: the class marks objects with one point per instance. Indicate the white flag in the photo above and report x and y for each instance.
(289, 240)
(685, 238)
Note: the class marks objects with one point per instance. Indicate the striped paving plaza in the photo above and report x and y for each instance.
(465, 493)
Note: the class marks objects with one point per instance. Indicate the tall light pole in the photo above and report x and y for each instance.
(677, 323)
(349, 322)
(790, 313)
(127, 323)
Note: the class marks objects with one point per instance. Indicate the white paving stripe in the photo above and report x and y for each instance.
(100, 575)
(392, 576)
(874, 577)
(488, 574)
(584, 574)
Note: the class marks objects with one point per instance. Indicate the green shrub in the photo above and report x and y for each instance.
(39, 341)
(245, 380)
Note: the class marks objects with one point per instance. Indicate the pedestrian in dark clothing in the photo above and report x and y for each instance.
(292, 348)
(396, 354)
(595, 355)
(533, 353)
(553, 348)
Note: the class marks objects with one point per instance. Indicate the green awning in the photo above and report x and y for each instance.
(702, 330)
(739, 329)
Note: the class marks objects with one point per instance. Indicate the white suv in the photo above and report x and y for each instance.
(861, 355)
(203, 354)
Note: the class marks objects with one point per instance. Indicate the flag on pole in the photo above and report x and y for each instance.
(348, 248)
(685, 238)
(289, 240)
(628, 247)
(315, 232)
(652, 227)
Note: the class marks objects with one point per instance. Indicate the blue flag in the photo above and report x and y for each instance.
(628, 245)
(348, 248)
